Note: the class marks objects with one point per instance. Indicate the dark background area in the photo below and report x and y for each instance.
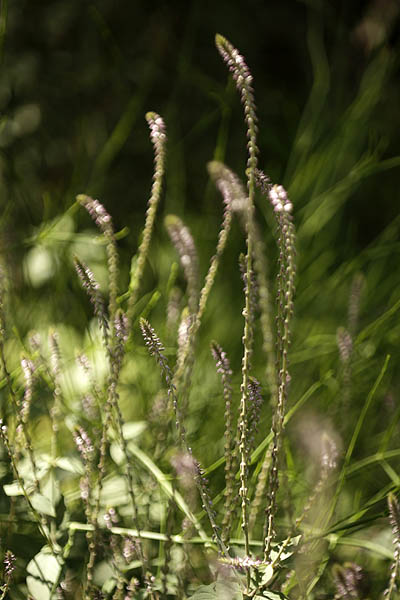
(74, 74)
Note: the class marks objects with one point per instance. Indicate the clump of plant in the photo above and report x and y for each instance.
(112, 507)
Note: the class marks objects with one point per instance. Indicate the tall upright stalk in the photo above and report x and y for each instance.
(286, 275)
(243, 80)
(158, 138)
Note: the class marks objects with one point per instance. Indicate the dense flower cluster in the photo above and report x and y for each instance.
(243, 79)
(182, 239)
(110, 518)
(28, 369)
(229, 185)
(9, 563)
(98, 213)
(92, 288)
(157, 130)
(84, 444)
(279, 199)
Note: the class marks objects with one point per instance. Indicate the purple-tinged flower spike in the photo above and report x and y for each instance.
(55, 369)
(243, 563)
(110, 518)
(279, 199)
(183, 340)
(89, 407)
(231, 190)
(253, 290)
(329, 454)
(121, 326)
(132, 588)
(104, 222)
(173, 307)
(286, 276)
(129, 550)
(394, 518)
(85, 490)
(349, 581)
(159, 138)
(28, 369)
(9, 568)
(224, 369)
(229, 185)
(87, 452)
(276, 193)
(98, 213)
(156, 349)
(182, 239)
(345, 344)
(92, 288)
(152, 341)
(157, 132)
(255, 404)
(243, 79)
(113, 344)
(84, 445)
(22, 439)
(9, 564)
(263, 182)
(357, 287)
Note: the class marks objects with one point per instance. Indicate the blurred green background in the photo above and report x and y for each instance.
(76, 79)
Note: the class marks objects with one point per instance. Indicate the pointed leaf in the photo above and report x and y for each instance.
(218, 591)
(44, 570)
(13, 489)
(267, 575)
(71, 464)
(43, 505)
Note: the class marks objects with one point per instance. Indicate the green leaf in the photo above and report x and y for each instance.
(130, 430)
(275, 552)
(117, 454)
(267, 575)
(13, 489)
(71, 464)
(218, 590)
(44, 571)
(133, 429)
(43, 505)
(103, 575)
(114, 491)
(51, 488)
